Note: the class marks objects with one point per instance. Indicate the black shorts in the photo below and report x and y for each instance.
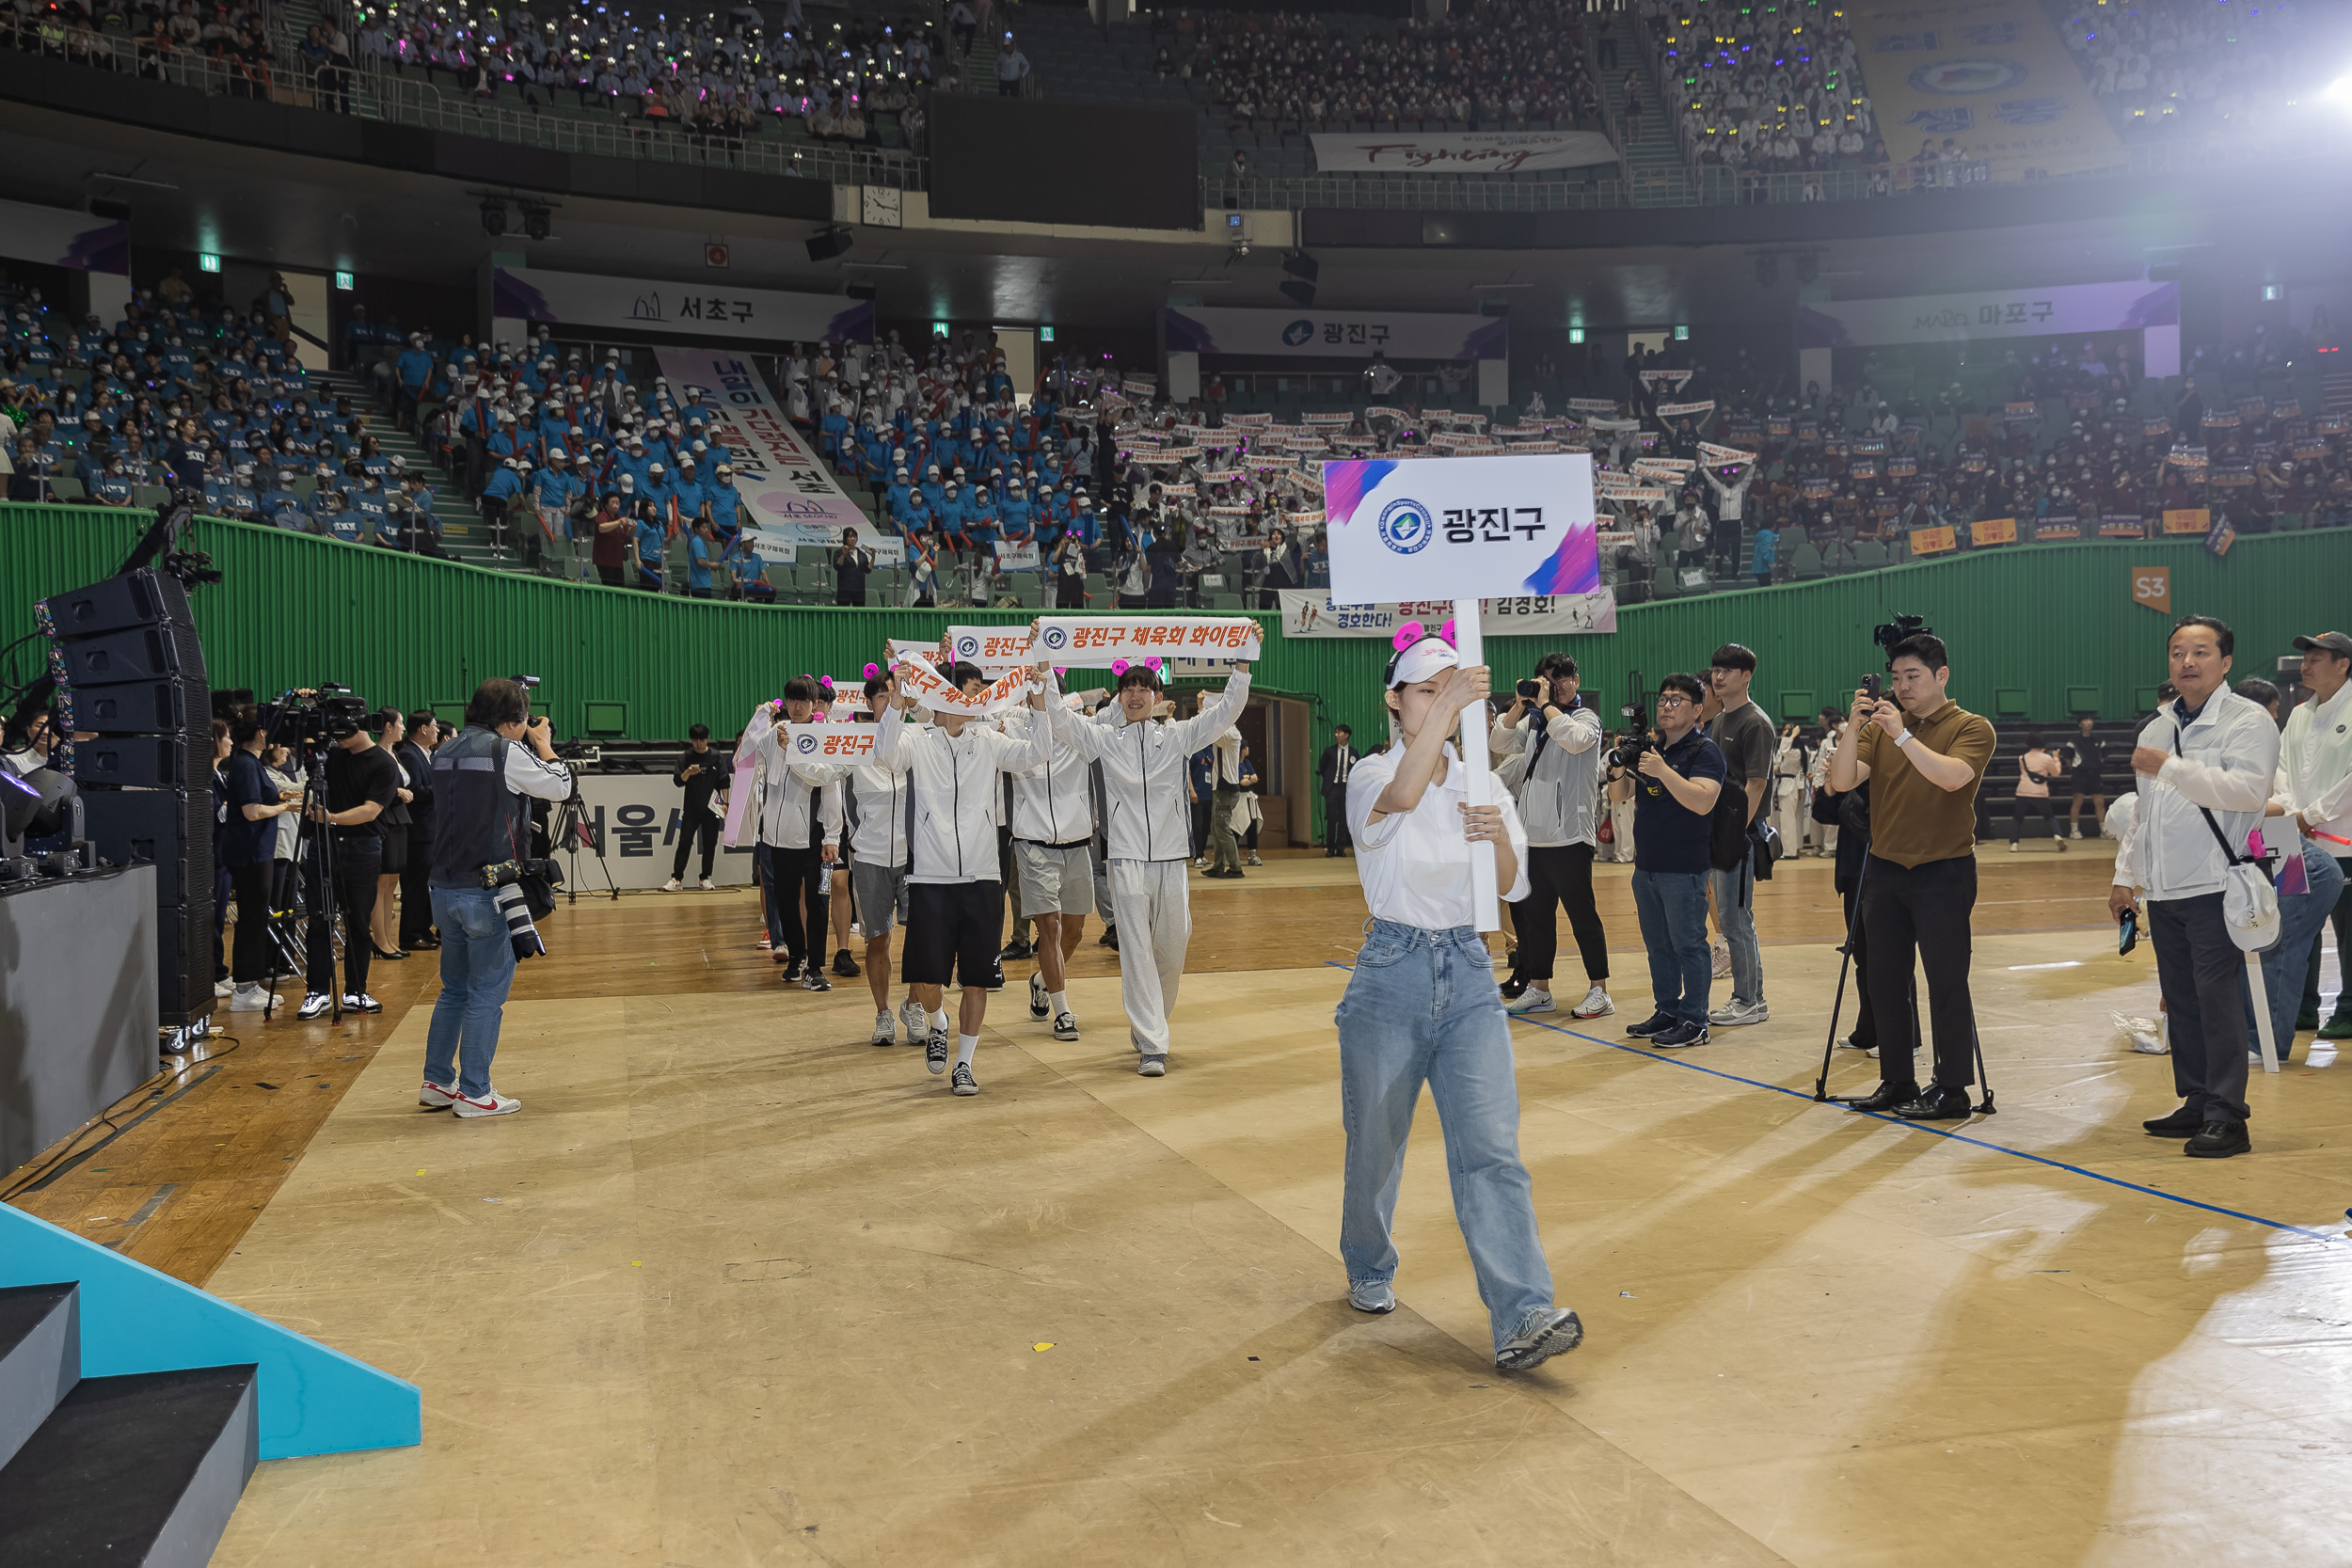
(952, 933)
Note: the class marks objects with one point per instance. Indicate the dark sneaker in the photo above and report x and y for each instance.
(1681, 1035)
(1657, 1024)
(1547, 1332)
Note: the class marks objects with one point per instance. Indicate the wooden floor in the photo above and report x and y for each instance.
(737, 1286)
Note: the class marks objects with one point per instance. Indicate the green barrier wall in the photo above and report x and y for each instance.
(2027, 625)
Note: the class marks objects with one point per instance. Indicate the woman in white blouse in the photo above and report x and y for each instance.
(1422, 1006)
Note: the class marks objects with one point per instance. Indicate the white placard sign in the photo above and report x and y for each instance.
(829, 743)
(1466, 528)
(993, 649)
(1092, 641)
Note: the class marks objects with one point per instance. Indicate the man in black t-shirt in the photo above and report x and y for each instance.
(362, 782)
(1745, 733)
(702, 773)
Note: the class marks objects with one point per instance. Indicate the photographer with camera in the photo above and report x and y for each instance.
(1673, 779)
(1559, 799)
(362, 784)
(1925, 756)
(481, 823)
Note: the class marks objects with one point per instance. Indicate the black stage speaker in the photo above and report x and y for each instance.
(130, 667)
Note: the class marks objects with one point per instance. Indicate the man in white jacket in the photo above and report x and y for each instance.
(1151, 839)
(2206, 763)
(954, 894)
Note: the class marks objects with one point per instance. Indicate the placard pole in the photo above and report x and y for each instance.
(1470, 643)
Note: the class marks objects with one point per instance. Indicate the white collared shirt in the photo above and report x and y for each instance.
(1415, 865)
(2224, 762)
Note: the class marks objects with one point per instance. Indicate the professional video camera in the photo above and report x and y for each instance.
(1630, 747)
(314, 719)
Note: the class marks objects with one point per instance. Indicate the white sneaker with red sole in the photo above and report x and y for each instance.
(491, 1104)
(436, 1097)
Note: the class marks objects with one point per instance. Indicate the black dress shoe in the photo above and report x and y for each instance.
(1885, 1097)
(2183, 1123)
(1936, 1103)
(2218, 1140)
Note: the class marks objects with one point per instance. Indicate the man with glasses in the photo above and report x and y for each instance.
(1674, 788)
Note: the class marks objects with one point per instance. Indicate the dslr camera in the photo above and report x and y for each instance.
(314, 719)
(1635, 711)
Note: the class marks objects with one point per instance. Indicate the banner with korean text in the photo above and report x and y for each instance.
(1991, 75)
(1092, 641)
(1461, 528)
(789, 496)
(1311, 612)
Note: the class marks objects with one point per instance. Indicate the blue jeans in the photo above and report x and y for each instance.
(477, 969)
(1421, 1006)
(1673, 908)
(1735, 910)
(2285, 960)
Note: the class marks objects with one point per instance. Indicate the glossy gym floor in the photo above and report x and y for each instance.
(739, 1288)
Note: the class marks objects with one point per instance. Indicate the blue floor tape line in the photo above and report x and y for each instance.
(1923, 1127)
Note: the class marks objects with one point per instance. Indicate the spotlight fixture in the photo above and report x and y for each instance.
(493, 216)
(826, 244)
(1809, 269)
(1767, 270)
(536, 219)
(1301, 266)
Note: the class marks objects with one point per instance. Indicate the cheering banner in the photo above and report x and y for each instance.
(1092, 641)
(788, 493)
(993, 649)
(1460, 151)
(1992, 75)
(1459, 528)
(1309, 612)
(829, 743)
(929, 690)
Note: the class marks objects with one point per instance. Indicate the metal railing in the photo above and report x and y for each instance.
(399, 100)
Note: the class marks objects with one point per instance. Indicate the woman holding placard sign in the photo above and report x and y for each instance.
(1422, 1006)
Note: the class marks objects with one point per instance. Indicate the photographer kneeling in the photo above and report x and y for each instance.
(1924, 756)
(480, 821)
(1673, 785)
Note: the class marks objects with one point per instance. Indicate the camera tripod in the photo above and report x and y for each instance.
(1918, 1041)
(567, 833)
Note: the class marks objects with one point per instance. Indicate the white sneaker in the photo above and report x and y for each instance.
(438, 1097)
(314, 1005)
(491, 1104)
(886, 1030)
(1719, 960)
(250, 998)
(1596, 1004)
(1530, 1001)
(672, 885)
(709, 886)
(1735, 1012)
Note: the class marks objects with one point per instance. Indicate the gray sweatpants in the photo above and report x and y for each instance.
(1153, 903)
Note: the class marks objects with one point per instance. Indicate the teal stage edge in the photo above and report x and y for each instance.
(313, 1400)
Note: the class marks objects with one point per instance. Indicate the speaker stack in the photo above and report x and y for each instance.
(130, 672)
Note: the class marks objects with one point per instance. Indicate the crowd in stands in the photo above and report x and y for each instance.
(2194, 69)
(174, 394)
(1507, 64)
(1770, 88)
